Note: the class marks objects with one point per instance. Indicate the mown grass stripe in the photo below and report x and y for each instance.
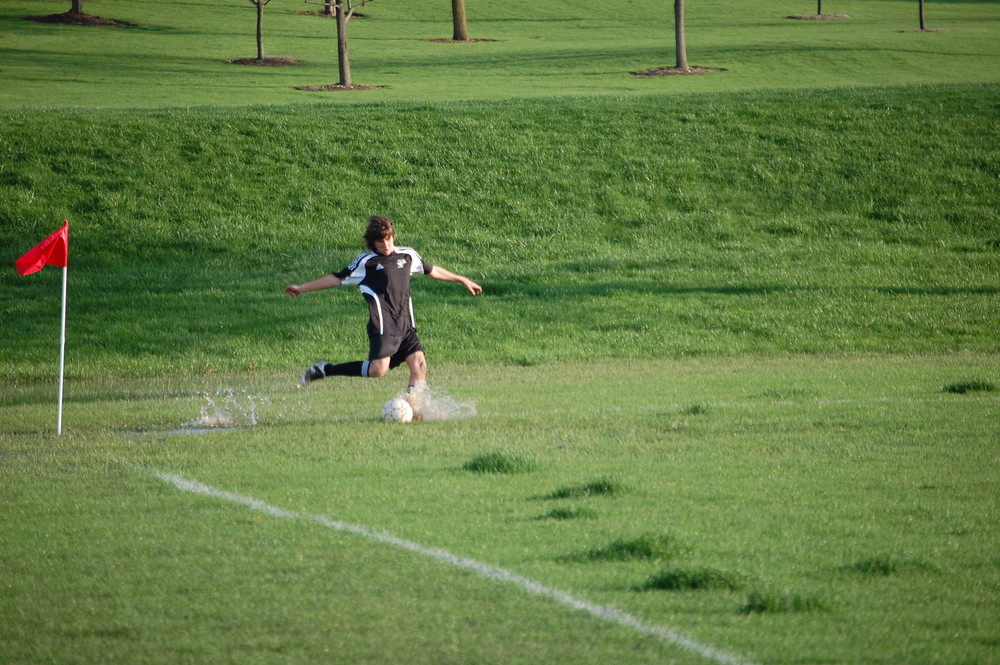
(687, 409)
(604, 613)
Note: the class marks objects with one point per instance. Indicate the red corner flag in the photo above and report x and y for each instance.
(53, 251)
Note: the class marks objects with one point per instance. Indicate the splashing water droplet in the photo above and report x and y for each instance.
(434, 404)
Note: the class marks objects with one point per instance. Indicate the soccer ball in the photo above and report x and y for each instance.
(397, 410)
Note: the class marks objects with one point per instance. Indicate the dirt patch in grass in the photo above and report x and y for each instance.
(674, 71)
(332, 15)
(70, 18)
(460, 41)
(818, 17)
(336, 87)
(270, 61)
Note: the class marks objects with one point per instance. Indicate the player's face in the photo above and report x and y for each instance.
(386, 246)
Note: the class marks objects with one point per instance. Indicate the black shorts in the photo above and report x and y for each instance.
(395, 347)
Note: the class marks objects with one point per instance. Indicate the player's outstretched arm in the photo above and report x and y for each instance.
(328, 282)
(437, 272)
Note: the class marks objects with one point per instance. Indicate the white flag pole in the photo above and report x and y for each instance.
(62, 351)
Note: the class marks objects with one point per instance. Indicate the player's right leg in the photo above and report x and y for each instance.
(418, 368)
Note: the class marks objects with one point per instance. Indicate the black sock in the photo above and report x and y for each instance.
(353, 368)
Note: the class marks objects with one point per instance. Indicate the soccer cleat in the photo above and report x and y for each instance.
(313, 373)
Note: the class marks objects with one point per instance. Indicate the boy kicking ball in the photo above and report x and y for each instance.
(383, 276)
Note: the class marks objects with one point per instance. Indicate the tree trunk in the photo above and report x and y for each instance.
(342, 56)
(461, 33)
(260, 29)
(819, 7)
(682, 58)
(922, 26)
(77, 7)
(328, 8)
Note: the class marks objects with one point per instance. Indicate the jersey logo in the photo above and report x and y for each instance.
(379, 267)
(400, 263)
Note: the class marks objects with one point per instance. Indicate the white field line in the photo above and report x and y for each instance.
(607, 614)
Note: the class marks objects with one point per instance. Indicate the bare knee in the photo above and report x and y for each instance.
(377, 369)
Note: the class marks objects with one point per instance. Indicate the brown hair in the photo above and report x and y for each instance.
(379, 228)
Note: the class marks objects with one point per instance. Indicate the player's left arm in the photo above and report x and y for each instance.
(437, 272)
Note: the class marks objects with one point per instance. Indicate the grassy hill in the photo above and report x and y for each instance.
(730, 394)
(846, 221)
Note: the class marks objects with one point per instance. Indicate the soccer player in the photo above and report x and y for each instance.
(383, 276)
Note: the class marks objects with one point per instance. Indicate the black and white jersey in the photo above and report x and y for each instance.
(384, 282)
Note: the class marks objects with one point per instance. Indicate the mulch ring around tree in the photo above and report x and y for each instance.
(336, 87)
(674, 71)
(818, 17)
(459, 41)
(69, 18)
(269, 61)
(332, 15)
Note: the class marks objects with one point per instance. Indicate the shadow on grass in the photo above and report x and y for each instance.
(514, 289)
(650, 547)
(598, 487)
(500, 462)
(693, 579)
(783, 603)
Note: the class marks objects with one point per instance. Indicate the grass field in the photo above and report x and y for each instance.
(178, 55)
(858, 487)
(730, 394)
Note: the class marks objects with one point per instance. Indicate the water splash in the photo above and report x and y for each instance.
(229, 407)
(434, 404)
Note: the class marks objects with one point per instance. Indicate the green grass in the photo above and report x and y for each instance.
(733, 373)
(650, 547)
(178, 55)
(883, 566)
(569, 513)
(599, 487)
(104, 562)
(692, 579)
(764, 222)
(962, 387)
(758, 603)
(499, 462)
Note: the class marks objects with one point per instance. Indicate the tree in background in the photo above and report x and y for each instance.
(260, 4)
(461, 32)
(76, 16)
(344, 11)
(819, 14)
(682, 58)
(922, 25)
